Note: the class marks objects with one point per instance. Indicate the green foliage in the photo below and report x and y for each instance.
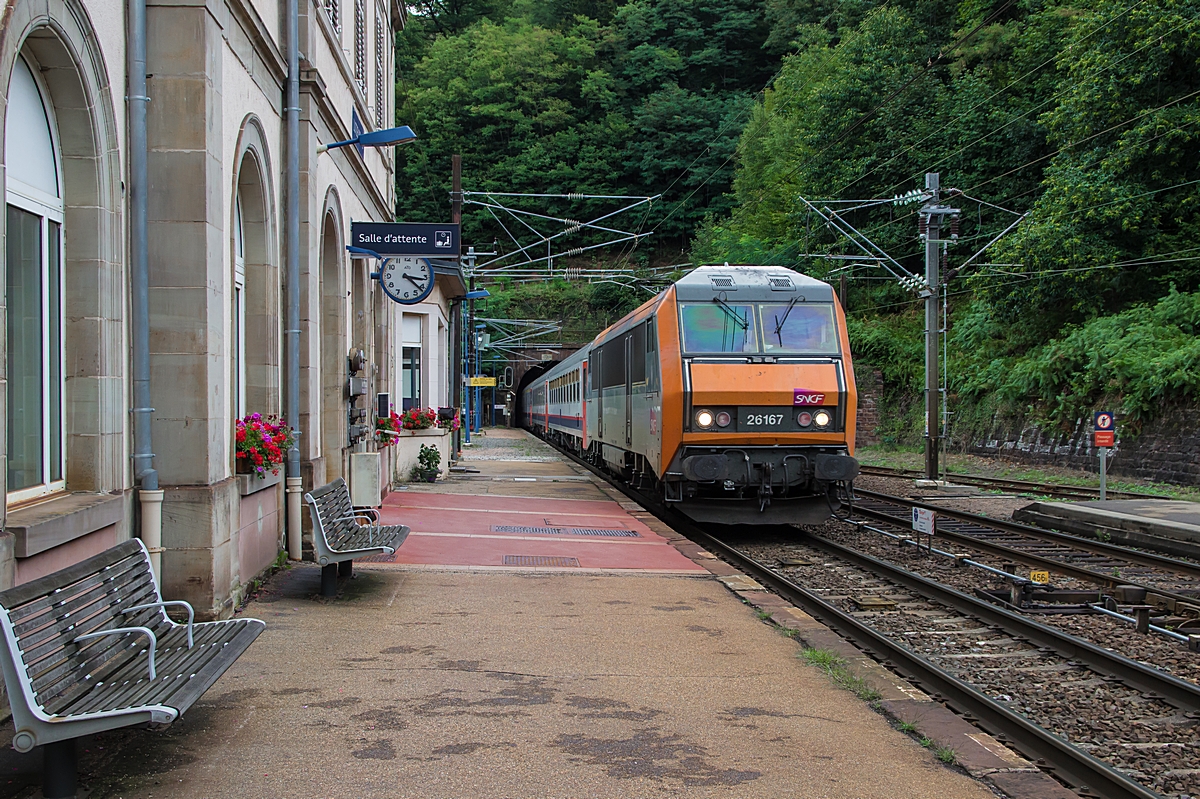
(1137, 360)
(835, 667)
(428, 458)
(558, 96)
(1082, 115)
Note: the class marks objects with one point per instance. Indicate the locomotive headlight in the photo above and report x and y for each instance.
(723, 419)
(822, 418)
(804, 418)
(704, 419)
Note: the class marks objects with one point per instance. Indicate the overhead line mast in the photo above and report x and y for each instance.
(935, 219)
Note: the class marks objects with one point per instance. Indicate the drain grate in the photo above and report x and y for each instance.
(607, 532)
(516, 528)
(540, 560)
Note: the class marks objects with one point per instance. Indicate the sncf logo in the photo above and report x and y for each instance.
(802, 397)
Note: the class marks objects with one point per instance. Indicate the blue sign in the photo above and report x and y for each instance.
(1104, 420)
(356, 130)
(406, 238)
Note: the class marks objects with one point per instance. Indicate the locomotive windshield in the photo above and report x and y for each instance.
(718, 327)
(799, 327)
(781, 328)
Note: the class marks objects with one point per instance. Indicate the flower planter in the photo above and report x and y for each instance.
(428, 475)
(408, 447)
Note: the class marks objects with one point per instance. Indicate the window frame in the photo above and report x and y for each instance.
(49, 210)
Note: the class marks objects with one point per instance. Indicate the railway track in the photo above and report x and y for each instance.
(1016, 486)
(1102, 723)
(1169, 582)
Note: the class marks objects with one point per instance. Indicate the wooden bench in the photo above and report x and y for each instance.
(91, 648)
(340, 535)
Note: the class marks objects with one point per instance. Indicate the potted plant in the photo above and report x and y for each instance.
(418, 418)
(387, 428)
(260, 443)
(429, 460)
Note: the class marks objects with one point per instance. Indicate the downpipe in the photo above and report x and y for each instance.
(295, 544)
(150, 501)
(292, 112)
(150, 496)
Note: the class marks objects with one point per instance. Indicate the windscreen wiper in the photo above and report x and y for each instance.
(781, 322)
(732, 313)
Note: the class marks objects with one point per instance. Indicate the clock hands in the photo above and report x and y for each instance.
(412, 280)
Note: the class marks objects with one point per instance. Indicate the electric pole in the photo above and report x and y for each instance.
(930, 226)
(456, 375)
(932, 279)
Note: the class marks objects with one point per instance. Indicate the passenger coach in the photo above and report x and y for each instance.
(731, 394)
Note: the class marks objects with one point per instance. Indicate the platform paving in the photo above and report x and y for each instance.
(445, 674)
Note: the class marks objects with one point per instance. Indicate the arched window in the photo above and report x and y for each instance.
(239, 311)
(34, 259)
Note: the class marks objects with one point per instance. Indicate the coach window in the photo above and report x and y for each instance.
(33, 256)
(638, 352)
(612, 363)
(651, 356)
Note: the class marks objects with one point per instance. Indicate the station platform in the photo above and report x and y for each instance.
(1168, 526)
(631, 663)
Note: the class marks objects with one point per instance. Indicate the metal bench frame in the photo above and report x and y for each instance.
(90, 648)
(339, 536)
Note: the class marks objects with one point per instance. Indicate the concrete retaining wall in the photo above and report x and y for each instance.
(1167, 449)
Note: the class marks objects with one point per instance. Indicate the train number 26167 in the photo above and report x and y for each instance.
(764, 419)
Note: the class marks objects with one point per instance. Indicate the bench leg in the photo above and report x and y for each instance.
(329, 580)
(60, 770)
(346, 569)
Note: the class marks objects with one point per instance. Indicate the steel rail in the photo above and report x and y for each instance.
(1177, 692)
(1046, 489)
(1067, 762)
(1051, 536)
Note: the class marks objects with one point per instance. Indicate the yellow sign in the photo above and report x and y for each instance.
(1042, 577)
(481, 382)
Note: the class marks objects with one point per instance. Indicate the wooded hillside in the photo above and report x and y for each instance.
(1081, 115)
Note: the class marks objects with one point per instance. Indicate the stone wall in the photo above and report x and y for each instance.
(866, 429)
(1167, 449)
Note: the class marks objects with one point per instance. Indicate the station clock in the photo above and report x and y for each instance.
(406, 279)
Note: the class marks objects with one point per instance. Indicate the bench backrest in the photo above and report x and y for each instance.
(41, 620)
(332, 512)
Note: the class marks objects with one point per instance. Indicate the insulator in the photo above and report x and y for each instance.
(922, 225)
(575, 196)
(954, 227)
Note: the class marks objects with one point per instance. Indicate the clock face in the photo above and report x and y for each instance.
(406, 279)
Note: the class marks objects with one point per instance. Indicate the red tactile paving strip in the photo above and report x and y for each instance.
(457, 530)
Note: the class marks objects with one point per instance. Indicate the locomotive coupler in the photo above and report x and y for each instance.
(764, 488)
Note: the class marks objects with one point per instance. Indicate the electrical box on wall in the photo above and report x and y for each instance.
(366, 486)
(358, 386)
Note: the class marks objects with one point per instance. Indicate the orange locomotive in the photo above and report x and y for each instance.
(731, 394)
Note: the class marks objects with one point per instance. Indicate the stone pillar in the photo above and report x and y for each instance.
(189, 303)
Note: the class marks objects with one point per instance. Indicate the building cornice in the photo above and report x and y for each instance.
(260, 38)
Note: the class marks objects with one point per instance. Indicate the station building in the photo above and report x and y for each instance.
(216, 247)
